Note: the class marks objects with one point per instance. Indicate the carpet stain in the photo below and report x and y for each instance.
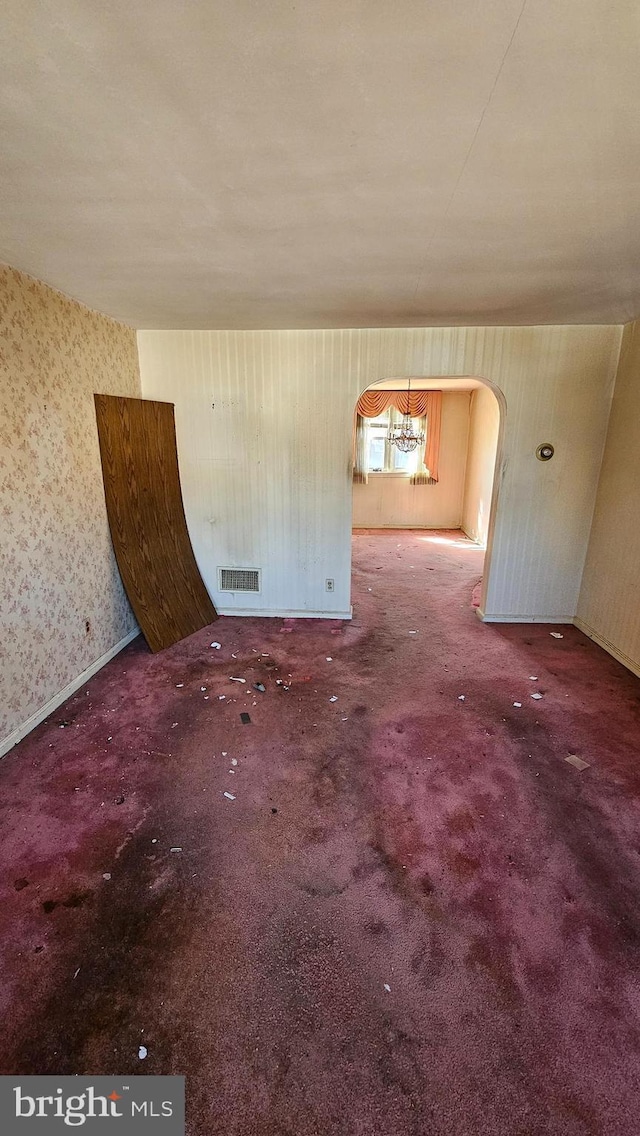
(414, 918)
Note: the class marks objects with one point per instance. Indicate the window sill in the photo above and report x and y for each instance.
(389, 473)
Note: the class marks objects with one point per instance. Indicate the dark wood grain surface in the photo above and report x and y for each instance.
(147, 521)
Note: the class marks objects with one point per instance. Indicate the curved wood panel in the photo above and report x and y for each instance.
(147, 521)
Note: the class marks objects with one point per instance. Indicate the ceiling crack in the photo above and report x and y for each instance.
(471, 145)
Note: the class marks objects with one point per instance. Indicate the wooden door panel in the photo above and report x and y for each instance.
(146, 517)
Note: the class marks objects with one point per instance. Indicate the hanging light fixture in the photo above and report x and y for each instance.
(403, 436)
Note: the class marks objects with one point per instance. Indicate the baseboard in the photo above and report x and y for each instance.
(631, 664)
(283, 613)
(482, 545)
(523, 618)
(21, 731)
(410, 528)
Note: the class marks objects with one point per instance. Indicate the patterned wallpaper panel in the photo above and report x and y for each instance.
(62, 603)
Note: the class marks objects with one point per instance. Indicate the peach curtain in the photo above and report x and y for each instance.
(416, 403)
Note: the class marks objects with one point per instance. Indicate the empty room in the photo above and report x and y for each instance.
(320, 549)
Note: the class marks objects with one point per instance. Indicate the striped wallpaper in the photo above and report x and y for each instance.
(609, 610)
(264, 422)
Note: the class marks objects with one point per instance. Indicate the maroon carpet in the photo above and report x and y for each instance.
(415, 918)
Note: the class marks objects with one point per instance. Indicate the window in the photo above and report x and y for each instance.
(382, 456)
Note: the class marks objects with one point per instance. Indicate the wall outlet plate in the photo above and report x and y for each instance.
(329, 585)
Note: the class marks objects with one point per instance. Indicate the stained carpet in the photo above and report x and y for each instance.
(414, 918)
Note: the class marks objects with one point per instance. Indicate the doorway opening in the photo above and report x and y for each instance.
(444, 491)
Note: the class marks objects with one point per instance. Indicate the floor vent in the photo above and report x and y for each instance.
(239, 579)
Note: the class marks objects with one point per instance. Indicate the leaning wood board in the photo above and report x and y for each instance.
(146, 517)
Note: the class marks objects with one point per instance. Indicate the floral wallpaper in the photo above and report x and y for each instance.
(61, 598)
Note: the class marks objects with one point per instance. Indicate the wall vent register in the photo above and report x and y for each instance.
(239, 579)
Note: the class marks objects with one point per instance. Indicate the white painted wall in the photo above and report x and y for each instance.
(484, 426)
(389, 500)
(266, 474)
(609, 605)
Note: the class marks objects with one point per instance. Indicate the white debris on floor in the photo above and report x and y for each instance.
(577, 762)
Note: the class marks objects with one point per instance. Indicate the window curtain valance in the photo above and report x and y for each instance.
(417, 403)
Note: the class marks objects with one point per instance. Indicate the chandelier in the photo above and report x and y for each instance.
(402, 435)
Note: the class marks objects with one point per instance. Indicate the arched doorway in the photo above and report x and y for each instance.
(393, 490)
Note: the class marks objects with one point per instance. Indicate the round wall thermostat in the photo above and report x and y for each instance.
(545, 452)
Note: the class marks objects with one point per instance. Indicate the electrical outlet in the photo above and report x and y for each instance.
(329, 585)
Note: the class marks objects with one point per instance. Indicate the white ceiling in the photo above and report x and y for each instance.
(316, 163)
